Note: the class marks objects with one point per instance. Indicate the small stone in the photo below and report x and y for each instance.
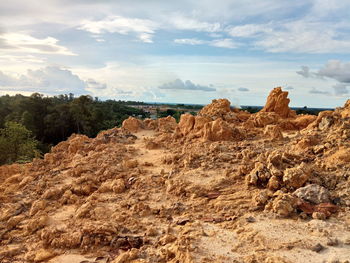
(319, 216)
(250, 219)
(313, 193)
(317, 248)
(118, 186)
(303, 215)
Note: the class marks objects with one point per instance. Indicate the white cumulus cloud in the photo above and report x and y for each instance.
(48, 80)
(21, 42)
(143, 28)
(188, 23)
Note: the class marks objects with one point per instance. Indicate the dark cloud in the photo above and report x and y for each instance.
(316, 91)
(305, 72)
(340, 89)
(243, 89)
(93, 84)
(335, 69)
(178, 84)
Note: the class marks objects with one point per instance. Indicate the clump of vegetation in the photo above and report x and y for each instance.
(54, 119)
(17, 144)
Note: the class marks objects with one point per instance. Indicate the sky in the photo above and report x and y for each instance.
(184, 51)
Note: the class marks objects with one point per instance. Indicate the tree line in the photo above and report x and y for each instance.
(35, 123)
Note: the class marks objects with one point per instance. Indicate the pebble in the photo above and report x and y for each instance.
(317, 248)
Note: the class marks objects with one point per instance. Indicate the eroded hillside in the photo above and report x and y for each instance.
(223, 186)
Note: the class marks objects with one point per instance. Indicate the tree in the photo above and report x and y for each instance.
(81, 111)
(17, 144)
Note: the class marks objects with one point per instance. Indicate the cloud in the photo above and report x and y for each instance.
(187, 23)
(189, 41)
(93, 84)
(49, 80)
(335, 69)
(305, 71)
(221, 43)
(298, 36)
(289, 88)
(178, 84)
(243, 89)
(224, 43)
(21, 42)
(340, 89)
(247, 30)
(143, 28)
(316, 91)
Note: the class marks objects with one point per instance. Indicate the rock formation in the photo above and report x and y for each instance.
(278, 102)
(223, 186)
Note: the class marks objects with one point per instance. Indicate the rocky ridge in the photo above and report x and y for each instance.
(222, 186)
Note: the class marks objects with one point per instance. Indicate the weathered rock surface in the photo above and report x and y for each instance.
(217, 109)
(132, 124)
(223, 186)
(313, 193)
(278, 102)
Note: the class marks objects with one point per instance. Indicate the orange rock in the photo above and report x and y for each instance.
(199, 122)
(273, 132)
(150, 124)
(302, 121)
(340, 157)
(345, 112)
(186, 123)
(296, 177)
(167, 124)
(219, 130)
(216, 109)
(261, 119)
(319, 118)
(278, 102)
(132, 124)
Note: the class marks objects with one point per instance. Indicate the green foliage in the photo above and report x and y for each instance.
(306, 110)
(17, 144)
(54, 119)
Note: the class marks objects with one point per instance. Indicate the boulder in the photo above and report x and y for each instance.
(297, 176)
(132, 124)
(313, 193)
